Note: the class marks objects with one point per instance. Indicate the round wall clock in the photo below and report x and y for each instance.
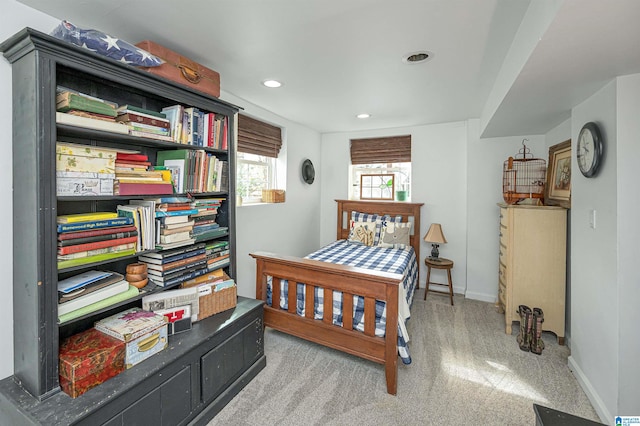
(308, 172)
(589, 149)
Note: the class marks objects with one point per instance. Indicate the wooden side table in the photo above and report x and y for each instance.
(441, 263)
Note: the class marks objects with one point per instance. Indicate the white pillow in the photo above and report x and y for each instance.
(362, 232)
(395, 235)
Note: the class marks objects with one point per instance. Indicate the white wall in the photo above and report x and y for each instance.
(628, 152)
(486, 158)
(285, 228)
(594, 284)
(439, 179)
(13, 18)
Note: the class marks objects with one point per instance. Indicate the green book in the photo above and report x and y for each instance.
(131, 108)
(179, 162)
(91, 259)
(68, 101)
(132, 292)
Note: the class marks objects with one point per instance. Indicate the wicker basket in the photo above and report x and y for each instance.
(273, 195)
(213, 302)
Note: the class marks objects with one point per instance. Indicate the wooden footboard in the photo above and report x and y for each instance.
(346, 279)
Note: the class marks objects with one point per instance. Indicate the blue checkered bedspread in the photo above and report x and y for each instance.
(399, 261)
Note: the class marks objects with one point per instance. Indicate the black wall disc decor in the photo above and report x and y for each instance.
(308, 172)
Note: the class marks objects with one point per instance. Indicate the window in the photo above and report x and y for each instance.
(381, 157)
(259, 145)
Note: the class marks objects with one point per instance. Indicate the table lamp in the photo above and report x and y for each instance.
(435, 237)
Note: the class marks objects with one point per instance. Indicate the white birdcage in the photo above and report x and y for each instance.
(523, 177)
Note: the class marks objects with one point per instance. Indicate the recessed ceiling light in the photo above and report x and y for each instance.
(365, 115)
(417, 57)
(272, 83)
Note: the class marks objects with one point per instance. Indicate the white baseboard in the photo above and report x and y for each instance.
(483, 297)
(583, 381)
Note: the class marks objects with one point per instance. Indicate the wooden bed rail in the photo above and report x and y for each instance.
(371, 285)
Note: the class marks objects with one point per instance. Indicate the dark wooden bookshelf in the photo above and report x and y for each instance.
(205, 366)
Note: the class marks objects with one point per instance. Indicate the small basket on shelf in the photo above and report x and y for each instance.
(273, 195)
(211, 302)
(523, 178)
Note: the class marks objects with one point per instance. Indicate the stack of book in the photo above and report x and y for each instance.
(134, 178)
(173, 224)
(142, 212)
(217, 254)
(79, 104)
(93, 237)
(89, 291)
(204, 221)
(173, 267)
(145, 123)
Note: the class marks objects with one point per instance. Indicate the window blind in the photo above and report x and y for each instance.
(393, 149)
(257, 137)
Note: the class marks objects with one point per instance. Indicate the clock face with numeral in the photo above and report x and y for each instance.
(589, 149)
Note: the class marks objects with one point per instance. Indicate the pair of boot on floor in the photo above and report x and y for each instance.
(530, 336)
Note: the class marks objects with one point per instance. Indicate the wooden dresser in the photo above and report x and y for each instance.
(532, 263)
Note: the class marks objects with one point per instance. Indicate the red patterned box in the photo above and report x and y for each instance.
(88, 359)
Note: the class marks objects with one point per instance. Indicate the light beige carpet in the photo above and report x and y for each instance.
(465, 371)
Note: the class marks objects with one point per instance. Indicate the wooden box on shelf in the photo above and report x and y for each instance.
(88, 359)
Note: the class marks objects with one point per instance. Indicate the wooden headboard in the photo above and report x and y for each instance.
(408, 211)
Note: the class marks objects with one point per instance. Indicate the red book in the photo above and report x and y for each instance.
(131, 157)
(96, 245)
(129, 188)
(131, 163)
(95, 232)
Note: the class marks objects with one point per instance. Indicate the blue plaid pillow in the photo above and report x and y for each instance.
(103, 44)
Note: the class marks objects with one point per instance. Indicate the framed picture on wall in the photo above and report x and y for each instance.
(558, 188)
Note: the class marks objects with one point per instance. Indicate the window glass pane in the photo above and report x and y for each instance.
(401, 172)
(254, 173)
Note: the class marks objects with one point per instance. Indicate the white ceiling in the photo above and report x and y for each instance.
(339, 58)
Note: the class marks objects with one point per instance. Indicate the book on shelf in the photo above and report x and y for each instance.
(101, 304)
(211, 276)
(169, 255)
(97, 251)
(148, 128)
(86, 282)
(220, 264)
(149, 135)
(122, 156)
(174, 115)
(177, 271)
(95, 296)
(167, 246)
(147, 209)
(168, 266)
(173, 220)
(91, 123)
(94, 224)
(161, 263)
(88, 247)
(92, 115)
(128, 188)
(161, 213)
(63, 264)
(96, 238)
(182, 277)
(96, 233)
(178, 236)
(85, 217)
(66, 101)
(177, 230)
(178, 160)
(174, 226)
(131, 117)
(166, 207)
(124, 109)
(77, 281)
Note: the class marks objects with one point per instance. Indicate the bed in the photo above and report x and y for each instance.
(374, 295)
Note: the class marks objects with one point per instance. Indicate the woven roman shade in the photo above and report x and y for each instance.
(393, 149)
(257, 137)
